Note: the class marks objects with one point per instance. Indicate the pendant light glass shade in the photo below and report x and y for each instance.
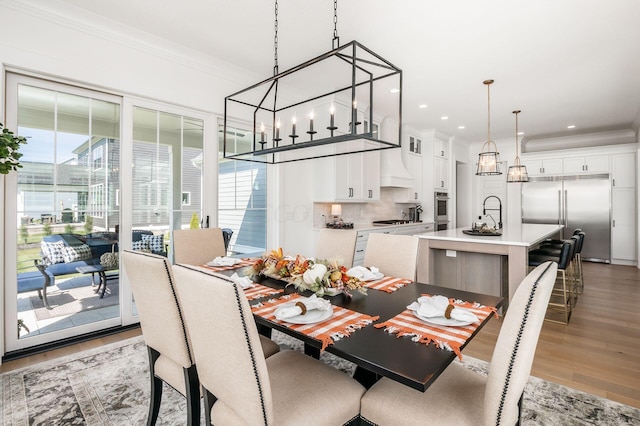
(489, 157)
(517, 172)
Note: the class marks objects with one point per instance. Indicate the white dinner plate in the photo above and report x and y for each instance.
(311, 317)
(443, 321)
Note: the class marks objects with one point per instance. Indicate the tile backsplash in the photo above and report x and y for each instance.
(362, 214)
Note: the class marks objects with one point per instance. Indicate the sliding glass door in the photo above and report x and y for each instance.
(65, 201)
(101, 173)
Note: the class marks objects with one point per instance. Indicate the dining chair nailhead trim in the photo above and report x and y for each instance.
(246, 336)
(517, 344)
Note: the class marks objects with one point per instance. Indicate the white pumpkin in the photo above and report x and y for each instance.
(314, 272)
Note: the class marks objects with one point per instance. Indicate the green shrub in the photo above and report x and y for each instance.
(46, 228)
(88, 224)
(68, 229)
(24, 233)
(195, 223)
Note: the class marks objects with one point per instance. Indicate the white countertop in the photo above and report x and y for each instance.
(523, 235)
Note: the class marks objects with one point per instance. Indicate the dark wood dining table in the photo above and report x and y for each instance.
(375, 352)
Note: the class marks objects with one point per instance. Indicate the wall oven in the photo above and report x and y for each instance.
(441, 214)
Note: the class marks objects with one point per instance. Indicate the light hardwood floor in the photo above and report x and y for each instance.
(598, 352)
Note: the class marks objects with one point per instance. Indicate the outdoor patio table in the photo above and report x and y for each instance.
(96, 269)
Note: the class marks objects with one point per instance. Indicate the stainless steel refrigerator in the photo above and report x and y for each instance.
(580, 201)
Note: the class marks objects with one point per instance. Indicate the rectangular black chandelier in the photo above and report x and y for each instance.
(321, 108)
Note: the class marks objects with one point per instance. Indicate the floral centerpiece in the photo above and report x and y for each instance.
(318, 275)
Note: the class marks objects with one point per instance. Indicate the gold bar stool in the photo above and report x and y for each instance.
(562, 295)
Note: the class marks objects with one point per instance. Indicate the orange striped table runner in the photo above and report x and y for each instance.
(259, 290)
(447, 337)
(388, 284)
(243, 263)
(341, 324)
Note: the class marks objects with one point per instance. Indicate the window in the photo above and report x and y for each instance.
(186, 198)
(96, 200)
(242, 196)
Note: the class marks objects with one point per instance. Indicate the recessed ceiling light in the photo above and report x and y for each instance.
(422, 106)
(444, 117)
(520, 133)
(572, 126)
(460, 127)
(394, 90)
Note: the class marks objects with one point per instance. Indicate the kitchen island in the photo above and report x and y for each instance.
(487, 264)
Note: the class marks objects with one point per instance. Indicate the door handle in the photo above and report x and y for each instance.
(614, 223)
(371, 193)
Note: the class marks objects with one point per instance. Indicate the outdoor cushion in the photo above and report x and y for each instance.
(72, 254)
(154, 242)
(140, 245)
(53, 251)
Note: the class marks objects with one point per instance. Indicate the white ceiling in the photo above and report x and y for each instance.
(568, 62)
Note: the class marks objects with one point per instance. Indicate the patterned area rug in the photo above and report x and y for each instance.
(110, 386)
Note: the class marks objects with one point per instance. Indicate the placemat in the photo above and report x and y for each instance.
(447, 337)
(341, 324)
(388, 284)
(243, 263)
(259, 290)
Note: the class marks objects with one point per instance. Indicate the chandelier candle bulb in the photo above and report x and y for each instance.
(262, 135)
(277, 130)
(293, 135)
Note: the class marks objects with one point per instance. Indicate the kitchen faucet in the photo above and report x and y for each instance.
(484, 209)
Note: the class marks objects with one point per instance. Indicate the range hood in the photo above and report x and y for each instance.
(393, 172)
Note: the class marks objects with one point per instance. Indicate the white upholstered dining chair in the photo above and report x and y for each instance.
(395, 255)
(239, 385)
(339, 244)
(164, 331)
(462, 397)
(197, 246)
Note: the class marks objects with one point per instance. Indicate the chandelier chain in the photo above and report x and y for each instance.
(336, 40)
(275, 41)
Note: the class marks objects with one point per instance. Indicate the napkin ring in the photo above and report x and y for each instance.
(447, 312)
(302, 307)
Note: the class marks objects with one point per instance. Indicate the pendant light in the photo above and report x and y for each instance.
(335, 90)
(517, 172)
(489, 158)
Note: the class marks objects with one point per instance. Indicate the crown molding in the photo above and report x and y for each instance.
(76, 19)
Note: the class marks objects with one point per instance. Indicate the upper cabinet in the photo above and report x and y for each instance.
(586, 164)
(348, 178)
(623, 170)
(543, 166)
(440, 173)
(415, 144)
(440, 148)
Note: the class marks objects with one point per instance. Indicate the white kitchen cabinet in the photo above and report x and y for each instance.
(348, 178)
(623, 170)
(623, 225)
(415, 193)
(440, 148)
(440, 173)
(548, 166)
(586, 164)
(415, 144)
